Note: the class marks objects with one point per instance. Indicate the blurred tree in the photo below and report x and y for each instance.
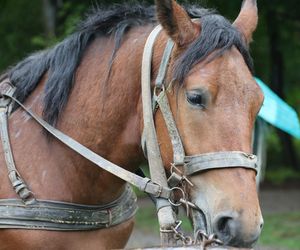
(50, 8)
(19, 22)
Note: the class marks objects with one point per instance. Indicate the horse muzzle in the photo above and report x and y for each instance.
(232, 230)
(228, 227)
(230, 212)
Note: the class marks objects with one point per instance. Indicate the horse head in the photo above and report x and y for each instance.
(214, 100)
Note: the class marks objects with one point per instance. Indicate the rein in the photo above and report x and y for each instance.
(158, 186)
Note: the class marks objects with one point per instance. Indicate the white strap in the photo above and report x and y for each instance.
(231, 159)
(166, 216)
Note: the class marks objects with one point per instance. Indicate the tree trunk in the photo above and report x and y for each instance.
(277, 83)
(50, 13)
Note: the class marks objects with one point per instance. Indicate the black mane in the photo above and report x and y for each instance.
(60, 62)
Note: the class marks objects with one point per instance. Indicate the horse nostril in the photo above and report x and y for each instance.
(261, 225)
(225, 228)
(223, 225)
(232, 232)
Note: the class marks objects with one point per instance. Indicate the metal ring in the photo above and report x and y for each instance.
(178, 204)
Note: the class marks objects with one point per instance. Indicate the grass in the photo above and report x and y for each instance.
(280, 230)
(146, 219)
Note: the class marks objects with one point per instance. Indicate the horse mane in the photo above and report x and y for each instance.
(60, 62)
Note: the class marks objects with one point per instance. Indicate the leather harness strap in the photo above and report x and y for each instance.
(166, 216)
(17, 182)
(178, 150)
(144, 184)
(161, 100)
(63, 216)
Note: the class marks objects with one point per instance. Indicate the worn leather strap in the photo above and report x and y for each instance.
(17, 182)
(166, 217)
(162, 101)
(144, 184)
(178, 150)
(159, 82)
(63, 216)
(231, 159)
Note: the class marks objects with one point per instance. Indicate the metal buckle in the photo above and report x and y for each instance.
(174, 169)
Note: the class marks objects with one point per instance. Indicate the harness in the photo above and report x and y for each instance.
(63, 216)
(159, 186)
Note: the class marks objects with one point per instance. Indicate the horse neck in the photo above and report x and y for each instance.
(103, 113)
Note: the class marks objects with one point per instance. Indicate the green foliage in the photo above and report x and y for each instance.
(19, 22)
(281, 175)
(68, 16)
(146, 219)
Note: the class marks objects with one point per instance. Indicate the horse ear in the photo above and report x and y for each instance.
(176, 22)
(247, 20)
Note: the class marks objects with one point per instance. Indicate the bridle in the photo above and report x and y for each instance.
(183, 166)
(158, 186)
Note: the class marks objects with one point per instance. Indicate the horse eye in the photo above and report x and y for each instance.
(196, 99)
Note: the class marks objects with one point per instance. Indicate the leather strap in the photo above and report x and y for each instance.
(162, 101)
(144, 184)
(159, 82)
(178, 150)
(232, 159)
(63, 216)
(17, 182)
(166, 216)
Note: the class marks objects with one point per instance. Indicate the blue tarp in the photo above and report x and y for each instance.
(278, 113)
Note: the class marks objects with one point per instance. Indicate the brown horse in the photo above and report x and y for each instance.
(89, 87)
